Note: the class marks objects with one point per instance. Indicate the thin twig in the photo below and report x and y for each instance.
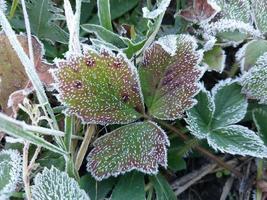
(90, 131)
(25, 172)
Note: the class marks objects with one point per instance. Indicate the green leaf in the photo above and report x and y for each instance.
(236, 139)
(104, 14)
(230, 31)
(10, 172)
(120, 7)
(215, 123)
(230, 104)
(100, 87)
(162, 188)
(254, 81)
(260, 119)
(140, 146)
(235, 9)
(42, 15)
(55, 184)
(130, 186)
(259, 10)
(176, 162)
(248, 55)
(200, 116)
(11, 127)
(215, 59)
(95, 189)
(169, 76)
(105, 34)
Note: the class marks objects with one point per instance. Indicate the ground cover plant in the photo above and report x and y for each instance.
(128, 99)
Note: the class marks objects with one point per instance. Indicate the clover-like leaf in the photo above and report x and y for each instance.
(200, 11)
(254, 81)
(13, 77)
(55, 184)
(10, 172)
(213, 118)
(169, 76)
(215, 59)
(162, 6)
(140, 146)
(248, 55)
(259, 9)
(100, 88)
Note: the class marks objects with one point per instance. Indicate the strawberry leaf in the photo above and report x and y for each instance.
(213, 118)
(200, 11)
(169, 75)
(140, 146)
(100, 88)
(10, 172)
(248, 55)
(254, 81)
(215, 59)
(259, 9)
(54, 184)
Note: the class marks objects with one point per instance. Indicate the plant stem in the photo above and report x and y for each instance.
(85, 144)
(259, 177)
(202, 150)
(25, 173)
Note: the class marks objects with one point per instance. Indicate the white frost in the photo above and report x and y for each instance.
(161, 8)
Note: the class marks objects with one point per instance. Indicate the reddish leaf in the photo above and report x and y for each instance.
(100, 87)
(169, 75)
(200, 11)
(13, 78)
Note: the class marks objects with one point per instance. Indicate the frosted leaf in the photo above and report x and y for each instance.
(231, 32)
(213, 117)
(260, 118)
(100, 87)
(259, 10)
(210, 41)
(200, 11)
(235, 9)
(169, 83)
(168, 43)
(3, 5)
(199, 117)
(13, 78)
(231, 105)
(140, 146)
(254, 81)
(248, 55)
(162, 6)
(215, 59)
(236, 139)
(10, 172)
(56, 185)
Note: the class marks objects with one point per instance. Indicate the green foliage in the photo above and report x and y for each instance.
(215, 121)
(10, 172)
(130, 186)
(44, 17)
(54, 184)
(215, 59)
(254, 81)
(140, 146)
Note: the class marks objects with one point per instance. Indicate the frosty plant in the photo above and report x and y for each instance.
(122, 101)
